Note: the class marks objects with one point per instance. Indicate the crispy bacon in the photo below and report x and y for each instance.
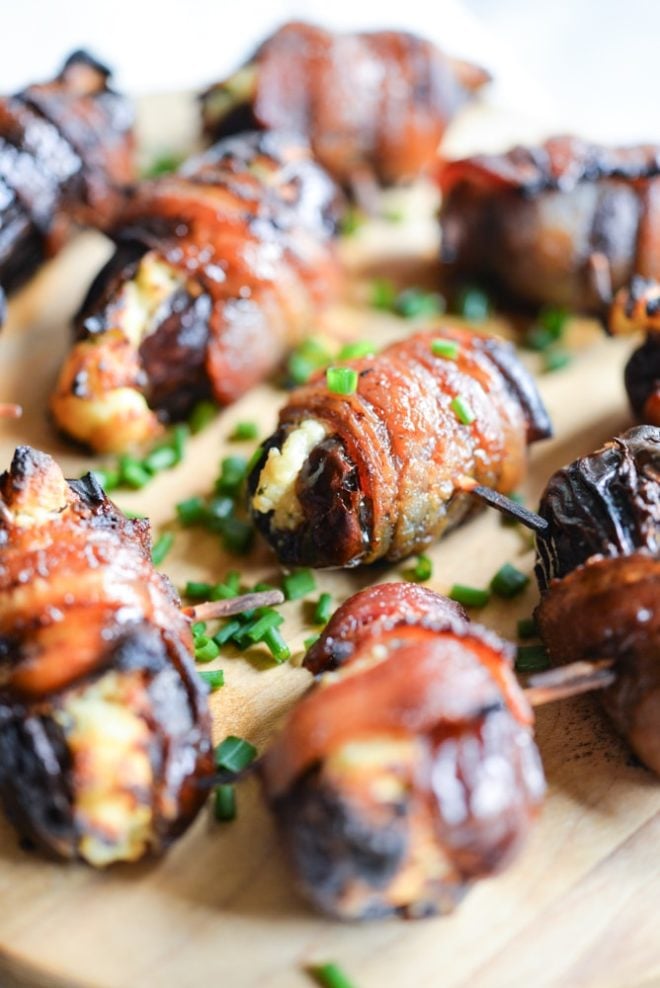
(379, 777)
(104, 723)
(566, 223)
(371, 105)
(219, 268)
(383, 481)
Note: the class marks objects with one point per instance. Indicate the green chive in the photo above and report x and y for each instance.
(310, 641)
(383, 294)
(232, 474)
(198, 628)
(527, 628)
(556, 359)
(538, 338)
(531, 658)
(342, 380)
(132, 473)
(330, 976)
(353, 351)
(554, 320)
(234, 754)
(224, 803)
(308, 357)
(206, 649)
(394, 215)
(108, 478)
(421, 571)
(160, 458)
(298, 584)
(462, 410)
(323, 609)
(508, 581)
(191, 511)
(473, 304)
(214, 679)
(197, 590)
(244, 430)
(277, 646)
(263, 624)
(351, 221)
(215, 512)
(413, 303)
(448, 349)
(179, 439)
(165, 163)
(469, 596)
(202, 415)
(227, 631)
(237, 535)
(161, 548)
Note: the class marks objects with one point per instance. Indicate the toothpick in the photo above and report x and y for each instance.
(211, 609)
(570, 680)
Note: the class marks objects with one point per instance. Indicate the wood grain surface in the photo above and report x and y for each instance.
(579, 906)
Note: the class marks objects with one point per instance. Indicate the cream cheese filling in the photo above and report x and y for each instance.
(276, 490)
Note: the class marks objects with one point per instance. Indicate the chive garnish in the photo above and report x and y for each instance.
(556, 359)
(421, 571)
(234, 754)
(224, 803)
(161, 547)
(469, 596)
(244, 430)
(323, 609)
(462, 410)
(383, 294)
(298, 584)
(232, 474)
(197, 590)
(531, 658)
(160, 458)
(329, 975)
(227, 631)
(449, 349)
(527, 628)
(202, 415)
(191, 511)
(342, 380)
(198, 628)
(214, 678)
(353, 351)
(206, 649)
(473, 304)
(237, 535)
(132, 473)
(508, 581)
(413, 303)
(276, 645)
(108, 478)
(308, 357)
(258, 629)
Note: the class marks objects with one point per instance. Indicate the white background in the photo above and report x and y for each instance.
(591, 66)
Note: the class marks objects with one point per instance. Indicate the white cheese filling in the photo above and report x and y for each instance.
(153, 283)
(276, 490)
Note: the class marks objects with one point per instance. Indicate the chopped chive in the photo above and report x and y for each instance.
(308, 642)
(178, 440)
(108, 478)
(462, 410)
(353, 351)
(473, 304)
(329, 976)
(215, 511)
(527, 628)
(554, 320)
(198, 628)
(469, 596)
(421, 571)
(342, 380)
(351, 221)
(206, 649)
(413, 303)
(244, 430)
(224, 803)
(161, 458)
(449, 349)
(323, 609)
(394, 215)
(383, 294)
(222, 591)
(508, 581)
(214, 679)
(233, 581)
(165, 163)
(308, 357)
(202, 415)
(277, 646)
(263, 624)
(555, 360)
(197, 590)
(191, 511)
(531, 658)
(234, 754)
(161, 547)
(298, 584)
(132, 473)
(237, 535)
(232, 473)
(538, 338)
(227, 631)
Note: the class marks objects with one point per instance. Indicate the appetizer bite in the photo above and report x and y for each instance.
(634, 309)
(366, 462)
(374, 107)
(66, 152)
(564, 224)
(219, 268)
(410, 772)
(105, 735)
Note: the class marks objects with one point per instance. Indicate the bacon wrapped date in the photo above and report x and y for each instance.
(349, 479)
(409, 773)
(218, 269)
(371, 105)
(566, 223)
(104, 722)
(599, 573)
(66, 153)
(637, 308)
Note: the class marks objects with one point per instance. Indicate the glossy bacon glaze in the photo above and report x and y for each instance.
(566, 223)
(104, 724)
(66, 152)
(244, 236)
(599, 572)
(372, 105)
(384, 481)
(637, 308)
(411, 772)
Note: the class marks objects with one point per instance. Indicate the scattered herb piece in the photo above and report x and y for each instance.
(413, 303)
(473, 304)
(556, 359)
(161, 547)
(206, 649)
(224, 803)
(108, 478)
(234, 754)
(508, 581)
(462, 410)
(277, 646)
(191, 511)
(163, 164)
(214, 679)
(421, 571)
(383, 294)
(329, 975)
(357, 349)
(323, 609)
(197, 591)
(342, 380)
(298, 584)
(449, 349)
(202, 415)
(243, 431)
(232, 474)
(307, 358)
(132, 473)
(351, 221)
(469, 596)
(527, 628)
(531, 658)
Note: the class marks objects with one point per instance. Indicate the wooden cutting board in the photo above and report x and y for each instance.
(578, 908)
